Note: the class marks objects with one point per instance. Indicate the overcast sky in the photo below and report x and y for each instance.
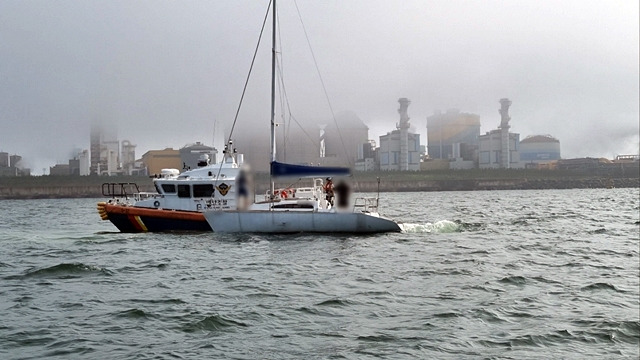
(164, 72)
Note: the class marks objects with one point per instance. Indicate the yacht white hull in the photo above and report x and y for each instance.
(279, 222)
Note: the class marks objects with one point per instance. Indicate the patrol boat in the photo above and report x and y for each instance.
(180, 198)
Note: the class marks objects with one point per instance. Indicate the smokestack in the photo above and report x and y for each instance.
(505, 157)
(404, 133)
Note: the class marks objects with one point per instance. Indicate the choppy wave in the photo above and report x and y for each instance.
(514, 280)
(213, 323)
(336, 302)
(65, 271)
(512, 275)
(134, 314)
(602, 286)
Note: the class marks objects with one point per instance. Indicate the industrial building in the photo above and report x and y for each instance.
(10, 165)
(335, 142)
(59, 170)
(107, 156)
(4, 159)
(300, 146)
(400, 148)
(191, 155)
(84, 163)
(128, 157)
(294, 145)
(156, 160)
(539, 149)
(499, 149)
(367, 157)
(341, 141)
(491, 149)
(95, 138)
(78, 166)
(105, 150)
(452, 135)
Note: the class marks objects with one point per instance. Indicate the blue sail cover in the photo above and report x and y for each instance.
(289, 170)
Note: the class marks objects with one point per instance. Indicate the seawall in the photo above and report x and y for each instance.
(498, 184)
(56, 192)
(18, 190)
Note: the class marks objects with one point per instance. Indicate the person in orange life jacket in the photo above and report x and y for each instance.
(328, 189)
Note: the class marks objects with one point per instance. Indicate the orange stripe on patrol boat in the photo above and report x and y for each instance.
(149, 212)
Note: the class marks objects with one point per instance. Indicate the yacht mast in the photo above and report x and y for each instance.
(273, 96)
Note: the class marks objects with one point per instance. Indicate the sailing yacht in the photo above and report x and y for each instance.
(302, 209)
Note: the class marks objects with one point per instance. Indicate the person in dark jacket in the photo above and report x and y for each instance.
(343, 193)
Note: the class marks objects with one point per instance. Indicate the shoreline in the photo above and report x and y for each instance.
(92, 188)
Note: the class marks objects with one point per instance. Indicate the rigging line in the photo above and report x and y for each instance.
(244, 89)
(285, 97)
(285, 124)
(253, 60)
(288, 106)
(303, 130)
(304, 29)
(279, 65)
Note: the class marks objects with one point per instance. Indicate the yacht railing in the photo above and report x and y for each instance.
(299, 193)
(366, 204)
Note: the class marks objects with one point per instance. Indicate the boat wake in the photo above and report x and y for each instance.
(442, 226)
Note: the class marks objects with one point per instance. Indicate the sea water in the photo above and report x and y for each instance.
(495, 274)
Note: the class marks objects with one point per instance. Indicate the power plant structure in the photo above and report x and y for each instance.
(341, 142)
(499, 149)
(539, 149)
(10, 165)
(453, 135)
(84, 163)
(327, 142)
(505, 157)
(104, 150)
(193, 155)
(404, 133)
(128, 157)
(95, 139)
(400, 149)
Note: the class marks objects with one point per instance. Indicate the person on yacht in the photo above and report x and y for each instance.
(343, 192)
(328, 189)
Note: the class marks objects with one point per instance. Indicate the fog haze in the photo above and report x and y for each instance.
(164, 72)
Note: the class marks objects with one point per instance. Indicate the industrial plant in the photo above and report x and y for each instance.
(400, 148)
(10, 165)
(454, 142)
(498, 149)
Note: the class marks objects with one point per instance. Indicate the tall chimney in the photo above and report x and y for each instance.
(505, 157)
(404, 133)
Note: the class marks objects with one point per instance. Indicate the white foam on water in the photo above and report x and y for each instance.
(442, 226)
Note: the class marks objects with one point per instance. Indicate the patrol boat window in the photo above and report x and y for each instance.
(184, 191)
(169, 188)
(202, 190)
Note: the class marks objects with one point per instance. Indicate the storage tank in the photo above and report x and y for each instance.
(539, 149)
